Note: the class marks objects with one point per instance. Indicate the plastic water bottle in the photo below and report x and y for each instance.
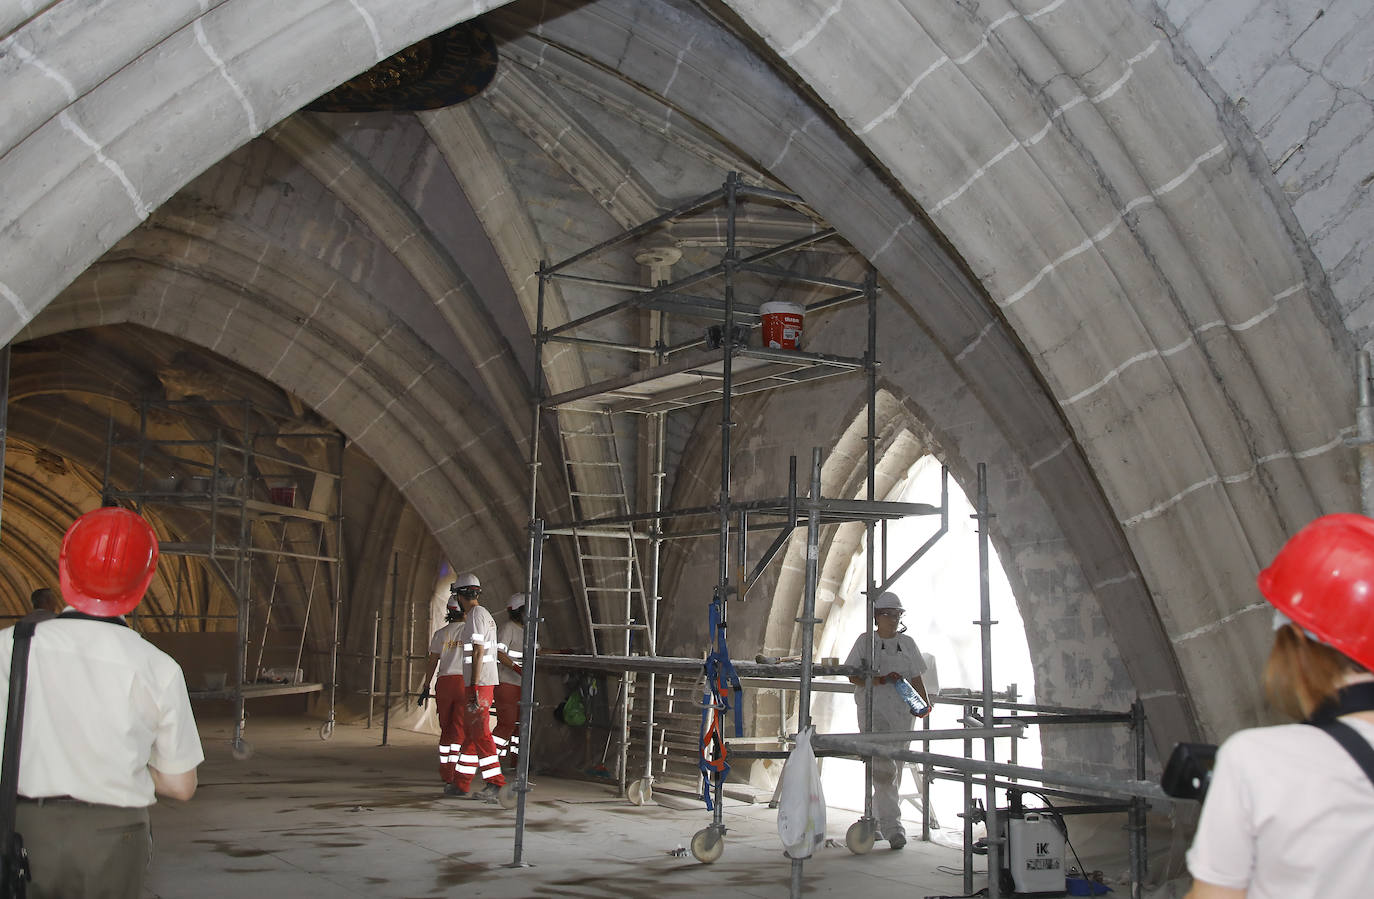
(919, 707)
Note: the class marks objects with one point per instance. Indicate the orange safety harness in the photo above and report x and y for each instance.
(715, 702)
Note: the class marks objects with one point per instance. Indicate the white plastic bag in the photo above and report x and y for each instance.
(801, 801)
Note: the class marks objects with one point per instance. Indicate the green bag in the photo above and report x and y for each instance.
(574, 710)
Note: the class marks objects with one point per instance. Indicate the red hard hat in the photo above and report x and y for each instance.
(1323, 579)
(107, 561)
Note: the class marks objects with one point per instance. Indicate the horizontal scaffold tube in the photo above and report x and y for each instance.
(912, 736)
(1096, 785)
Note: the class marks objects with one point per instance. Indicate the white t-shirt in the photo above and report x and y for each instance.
(898, 654)
(479, 629)
(102, 705)
(510, 639)
(1289, 814)
(447, 644)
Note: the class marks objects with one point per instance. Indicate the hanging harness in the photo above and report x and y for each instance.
(715, 702)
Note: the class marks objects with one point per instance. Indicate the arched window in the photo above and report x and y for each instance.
(940, 593)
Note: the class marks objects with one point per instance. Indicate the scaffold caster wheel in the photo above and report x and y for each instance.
(859, 837)
(241, 749)
(326, 730)
(641, 792)
(506, 797)
(707, 845)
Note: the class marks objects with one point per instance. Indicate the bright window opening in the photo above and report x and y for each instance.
(940, 594)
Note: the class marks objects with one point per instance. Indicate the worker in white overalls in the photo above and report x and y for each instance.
(896, 657)
(446, 656)
(510, 648)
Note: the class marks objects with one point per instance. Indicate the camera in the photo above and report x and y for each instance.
(1188, 773)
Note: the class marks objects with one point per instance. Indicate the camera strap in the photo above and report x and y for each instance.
(1356, 745)
(1352, 698)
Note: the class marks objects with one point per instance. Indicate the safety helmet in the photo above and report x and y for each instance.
(467, 585)
(455, 603)
(888, 600)
(1323, 579)
(107, 560)
(516, 602)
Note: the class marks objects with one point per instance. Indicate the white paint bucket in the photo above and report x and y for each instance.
(782, 324)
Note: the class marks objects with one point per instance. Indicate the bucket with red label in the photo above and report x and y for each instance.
(782, 324)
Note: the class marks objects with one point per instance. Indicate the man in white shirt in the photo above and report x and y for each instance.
(479, 752)
(510, 649)
(896, 657)
(447, 656)
(107, 719)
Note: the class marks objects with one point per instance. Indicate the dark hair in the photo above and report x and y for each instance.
(43, 598)
(1302, 675)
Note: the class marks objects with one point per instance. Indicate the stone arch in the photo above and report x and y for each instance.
(347, 357)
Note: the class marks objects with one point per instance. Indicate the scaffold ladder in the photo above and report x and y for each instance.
(609, 572)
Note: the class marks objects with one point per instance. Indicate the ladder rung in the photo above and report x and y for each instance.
(591, 463)
(609, 558)
(620, 627)
(615, 590)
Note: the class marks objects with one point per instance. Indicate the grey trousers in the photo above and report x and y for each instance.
(81, 851)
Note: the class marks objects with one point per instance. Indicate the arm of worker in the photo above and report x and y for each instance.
(174, 786)
(477, 652)
(508, 661)
(1203, 890)
(429, 678)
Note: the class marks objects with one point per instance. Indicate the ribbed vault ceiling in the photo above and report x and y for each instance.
(1088, 279)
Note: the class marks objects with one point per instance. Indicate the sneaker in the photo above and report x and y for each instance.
(897, 840)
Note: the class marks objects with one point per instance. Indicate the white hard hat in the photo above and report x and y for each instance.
(888, 600)
(467, 582)
(516, 601)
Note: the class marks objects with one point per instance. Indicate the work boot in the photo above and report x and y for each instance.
(452, 790)
(897, 840)
(489, 793)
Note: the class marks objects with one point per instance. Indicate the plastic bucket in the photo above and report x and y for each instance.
(782, 325)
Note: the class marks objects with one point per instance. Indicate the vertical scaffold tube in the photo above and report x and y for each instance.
(1139, 858)
(726, 410)
(985, 624)
(529, 662)
(1364, 435)
(870, 529)
(655, 548)
(808, 621)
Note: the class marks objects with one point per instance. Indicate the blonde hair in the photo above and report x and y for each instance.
(1302, 675)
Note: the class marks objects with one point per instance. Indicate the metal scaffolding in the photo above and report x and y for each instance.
(717, 364)
(246, 500)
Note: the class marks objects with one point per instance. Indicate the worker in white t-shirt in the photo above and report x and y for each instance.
(478, 752)
(1289, 813)
(107, 719)
(510, 648)
(895, 657)
(446, 656)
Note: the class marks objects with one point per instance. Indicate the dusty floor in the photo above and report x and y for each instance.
(349, 817)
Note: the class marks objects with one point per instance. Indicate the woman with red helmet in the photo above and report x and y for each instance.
(1290, 809)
